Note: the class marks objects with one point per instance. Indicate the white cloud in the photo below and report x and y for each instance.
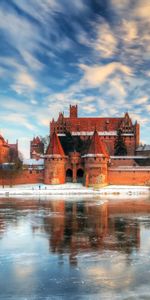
(33, 101)
(96, 75)
(31, 60)
(38, 9)
(142, 10)
(18, 119)
(14, 105)
(141, 100)
(118, 86)
(2, 71)
(90, 108)
(148, 108)
(105, 42)
(139, 118)
(20, 32)
(120, 4)
(129, 31)
(24, 82)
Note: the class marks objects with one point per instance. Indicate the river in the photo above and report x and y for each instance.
(74, 249)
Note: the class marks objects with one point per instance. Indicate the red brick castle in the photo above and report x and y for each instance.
(106, 127)
(84, 150)
(81, 149)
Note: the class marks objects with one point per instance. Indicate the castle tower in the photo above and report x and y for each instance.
(4, 150)
(73, 111)
(36, 148)
(55, 161)
(96, 161)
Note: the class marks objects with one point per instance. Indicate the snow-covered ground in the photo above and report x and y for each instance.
(73, 189)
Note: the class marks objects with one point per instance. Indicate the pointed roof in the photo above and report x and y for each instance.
(3, 142)
(97, 146)
(126, 115)
(55, 147)
(36, 140)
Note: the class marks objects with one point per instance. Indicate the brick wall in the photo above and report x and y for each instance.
(54, 171)
(128, 177)
(22, 177)
(123, 162)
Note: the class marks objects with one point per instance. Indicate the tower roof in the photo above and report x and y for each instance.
(3, 142)
(55, 147)
(97, 146)
(36, 140)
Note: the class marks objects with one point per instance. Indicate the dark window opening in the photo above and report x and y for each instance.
(69, 175)
(80, 174)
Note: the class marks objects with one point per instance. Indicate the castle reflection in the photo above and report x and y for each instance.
(74, 227)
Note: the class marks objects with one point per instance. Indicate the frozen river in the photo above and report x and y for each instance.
(74, 249)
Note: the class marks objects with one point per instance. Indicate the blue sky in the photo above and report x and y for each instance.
(93, 53)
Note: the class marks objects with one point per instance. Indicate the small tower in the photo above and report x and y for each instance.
(73, 111)
(4, 150)
(54, 161)
(36, 148)
(126, 125)
(96, 161)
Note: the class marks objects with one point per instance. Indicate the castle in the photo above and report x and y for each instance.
(83, 150)
(8, 152)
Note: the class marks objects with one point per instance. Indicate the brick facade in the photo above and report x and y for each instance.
(36, 148)
(81, 150)
(107, 129)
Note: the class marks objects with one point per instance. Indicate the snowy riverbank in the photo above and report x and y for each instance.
(72, 189)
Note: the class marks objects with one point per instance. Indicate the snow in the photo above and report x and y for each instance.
(33, 162)
(130, 168)
(90, 133)
(129, 157)
(92, 155)
(143, 148)
(101, 133)
(73, 190)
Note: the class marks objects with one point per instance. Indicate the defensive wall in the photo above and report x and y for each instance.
(116, 176)
(21, 177)
(129, 176)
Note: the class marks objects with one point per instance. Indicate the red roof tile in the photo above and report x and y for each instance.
(3, 142)
(55, 147)
(97, 146)
(36, 140)
(87, 124)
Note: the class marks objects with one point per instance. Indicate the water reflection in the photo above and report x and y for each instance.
(101, 241)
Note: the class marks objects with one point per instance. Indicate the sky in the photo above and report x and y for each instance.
(54, 53)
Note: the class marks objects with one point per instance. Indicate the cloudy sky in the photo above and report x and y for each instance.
(53, 53)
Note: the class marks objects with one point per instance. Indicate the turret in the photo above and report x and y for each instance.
(96, 161)
(126, 125)
(36, 148)
(137, 134)
(4, 150)
(73, 111)
(54, 161)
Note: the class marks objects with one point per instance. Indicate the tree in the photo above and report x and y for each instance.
(15, 160)
(45, 140)
(120, 147)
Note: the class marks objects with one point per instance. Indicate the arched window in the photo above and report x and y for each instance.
(80, 174)
(69, 175)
